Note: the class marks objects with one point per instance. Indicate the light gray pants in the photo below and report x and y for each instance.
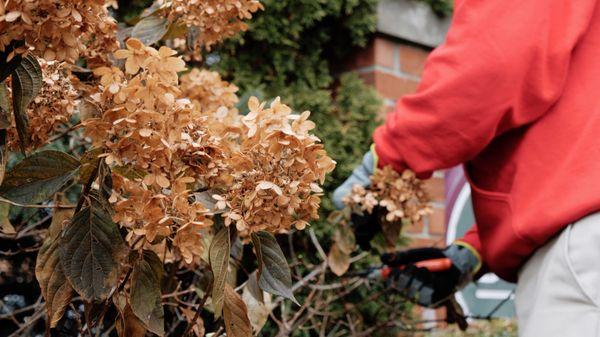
(558, 293)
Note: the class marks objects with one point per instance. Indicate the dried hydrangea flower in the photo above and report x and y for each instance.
(401, 195)
(277, 171)
(58, 30)
(145, 127)
(214, 20)
(51, 108)
(176, 140)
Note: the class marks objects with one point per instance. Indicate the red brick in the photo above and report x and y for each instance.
(385, 52)
(392, 86)
(436, 188)
(368, 78)
(437, 221)
(412, 59)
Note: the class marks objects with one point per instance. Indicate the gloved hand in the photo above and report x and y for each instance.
(366, 225)
(427, 288)
(360, 176)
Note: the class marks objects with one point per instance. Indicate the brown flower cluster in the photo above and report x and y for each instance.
(158, 149)
(214, 20)
(57, 29)
(51, 108)
(401, 195)
(166, 141)
(277, 170)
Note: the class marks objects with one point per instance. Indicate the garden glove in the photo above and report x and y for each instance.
(432, 288)
(365, 225)
(360, 176)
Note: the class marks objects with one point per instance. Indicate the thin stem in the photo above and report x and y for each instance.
(64, 133)
(6, 201)
(200, 308)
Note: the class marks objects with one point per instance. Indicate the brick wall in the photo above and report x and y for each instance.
(393, 67)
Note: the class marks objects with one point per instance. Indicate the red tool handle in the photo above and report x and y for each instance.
(433, 265)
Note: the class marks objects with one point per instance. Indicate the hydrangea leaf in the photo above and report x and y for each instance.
(274, 272)
(219, 262)
(235, 314)
(26, 84)
(146, 294)
(36, 178)
(91, 252)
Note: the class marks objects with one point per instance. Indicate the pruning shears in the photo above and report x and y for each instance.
(454, 311)
(383, 272)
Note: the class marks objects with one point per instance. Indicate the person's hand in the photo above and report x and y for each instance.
(431, 288)
(365, 225)
(360, 176)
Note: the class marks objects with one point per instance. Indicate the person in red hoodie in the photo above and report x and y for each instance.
(514, 95)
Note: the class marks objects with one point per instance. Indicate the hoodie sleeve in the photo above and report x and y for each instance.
(503, 65)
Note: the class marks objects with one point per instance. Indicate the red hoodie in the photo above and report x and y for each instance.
(514, 93)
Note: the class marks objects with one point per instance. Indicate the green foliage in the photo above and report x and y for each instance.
(291, 43)
(441, 7)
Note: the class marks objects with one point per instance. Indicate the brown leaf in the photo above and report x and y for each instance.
(259, 305)
(338, 261)
(129, 325)
(344, 238)
(198, 328)
(235, 314)
(59, 216)
(391, 231)
(219, 262)
(88, 109)
(55, 288)
(5, 226)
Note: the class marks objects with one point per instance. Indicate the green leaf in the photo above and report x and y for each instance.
(91, 251)
(218, 256)
(274, 272)
(145, 292)
(150, 29)
(235, 314)
(50, 274)
(38, 177)
(4, 107)
(26, 84)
